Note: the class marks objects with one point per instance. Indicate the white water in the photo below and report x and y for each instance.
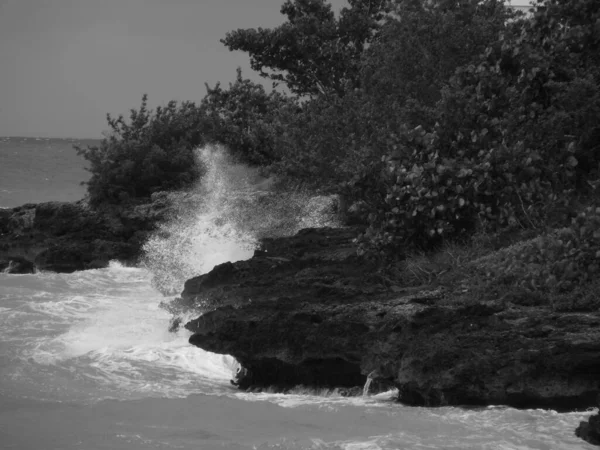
(223, 218)
(86, 362)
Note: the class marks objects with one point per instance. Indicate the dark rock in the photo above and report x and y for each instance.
(284, 263)
(65, 236)
(307, 310)
(64, 256)
(350, 392)
(16, 265)
(175, 324)
(590, 431)
(4, 219)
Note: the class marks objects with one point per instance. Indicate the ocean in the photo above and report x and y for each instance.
(34, 170)
(87, 361)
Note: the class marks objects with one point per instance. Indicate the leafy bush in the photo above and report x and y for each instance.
(516, 138)
(583, 298)
(430, 197)
(246, 119)
(314, 53)
(336, 141)
(326, 141)
(419, 48)
(153, 151)
(555, 262)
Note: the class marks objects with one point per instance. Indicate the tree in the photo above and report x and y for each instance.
(410, 58)
(418, 49)
(245, 118)
(313, 52)
(516, 144)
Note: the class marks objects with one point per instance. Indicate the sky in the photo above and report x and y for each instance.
(64, 64)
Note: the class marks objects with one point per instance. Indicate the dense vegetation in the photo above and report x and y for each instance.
(154, 150)
(434, 120)
(149, 153)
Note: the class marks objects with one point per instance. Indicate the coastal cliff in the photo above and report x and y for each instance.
(306, 310)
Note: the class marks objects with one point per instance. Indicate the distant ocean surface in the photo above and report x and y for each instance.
(34, 170)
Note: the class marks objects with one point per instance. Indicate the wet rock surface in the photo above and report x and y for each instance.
(16, 265)
(307, 310)
(590, 431)
(70, 236)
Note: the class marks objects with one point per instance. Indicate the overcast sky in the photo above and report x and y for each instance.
(65, 63)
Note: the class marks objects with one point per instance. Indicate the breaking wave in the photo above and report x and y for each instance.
(223, 217)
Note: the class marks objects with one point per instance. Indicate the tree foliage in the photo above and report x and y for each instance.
(150, 152)
(154, 150)
(419, 48)
(556, 262)
(516, 139)
(339, 141)
(313, 52)
(245, 118)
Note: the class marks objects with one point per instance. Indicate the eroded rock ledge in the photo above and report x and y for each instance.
(307, 310)
(70, 236)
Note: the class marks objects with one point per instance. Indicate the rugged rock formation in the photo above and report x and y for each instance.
(307, 310)
(65, 237)
(16, 265)
(590, 431)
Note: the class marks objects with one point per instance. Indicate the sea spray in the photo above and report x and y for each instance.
(367, 386)
(223, 218)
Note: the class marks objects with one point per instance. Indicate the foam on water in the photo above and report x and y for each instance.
(112, 341)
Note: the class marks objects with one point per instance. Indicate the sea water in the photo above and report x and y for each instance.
(34, 170)
(87, 362)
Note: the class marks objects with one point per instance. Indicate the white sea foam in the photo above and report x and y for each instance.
(223, 218)
(106, 327)
(200, 236)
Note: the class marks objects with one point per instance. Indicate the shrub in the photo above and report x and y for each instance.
(555, 262)
(430, 198)
(582, 298)
(516, 138)
(246, 119)
(153, 151)
(336, 141)
(328, 140)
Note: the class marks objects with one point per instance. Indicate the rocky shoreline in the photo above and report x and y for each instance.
(590, 431)
(306, 310)
(70, 236)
